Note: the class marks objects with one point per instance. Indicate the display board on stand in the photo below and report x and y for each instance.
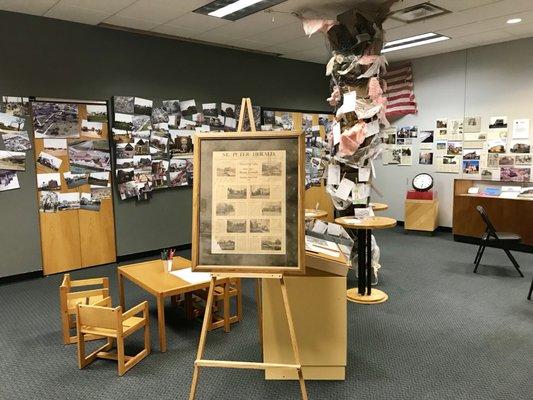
(248, 218)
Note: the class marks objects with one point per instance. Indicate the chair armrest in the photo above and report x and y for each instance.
(135, 310)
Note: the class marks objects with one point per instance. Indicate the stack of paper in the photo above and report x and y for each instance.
(187, 275)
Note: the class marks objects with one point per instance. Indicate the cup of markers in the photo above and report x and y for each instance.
(167, 255)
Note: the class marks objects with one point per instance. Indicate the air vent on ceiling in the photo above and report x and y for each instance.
(419, 12)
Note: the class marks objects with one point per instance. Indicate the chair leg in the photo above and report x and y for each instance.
(515, 264)
(479, 258)
(147, 343)
(478, 253)
(81, 351)
(530, 290)
(121, 361)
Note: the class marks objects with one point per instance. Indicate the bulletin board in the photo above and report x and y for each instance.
(73, 235)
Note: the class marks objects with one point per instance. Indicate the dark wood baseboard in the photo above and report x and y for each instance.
(21, 277)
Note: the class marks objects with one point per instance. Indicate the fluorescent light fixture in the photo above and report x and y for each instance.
(514, 20)
(231, 8)
(413, 41)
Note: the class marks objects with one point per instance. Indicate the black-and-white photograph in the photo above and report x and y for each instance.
(498, 123)
(472, 124)
(522, 159)
(407, 132)
(97, 112)
(270, 243)
(159, 115)
(10, 123)
(283, 121)
(141, 123)
(142, 106)
(142, 162)
(17, 106)
(49, 161)
(172, 107)
(99, 178)
(89, 156)
(210, 109)
(49, 181)
(75, 180)
(8, 180)
(126, 150)
(141, 135)
(425, 158)
(55, 120)
(123, 122)
(227, 171)
(141, 147)
(269, 118)
(158, 145)
(441, 123)
(237, 192)
(68, 201)
(426, 137)
(225, 209)
(123, 104)
(99, 193)
(236, 226)
(48, 201)
(92, 129)
(271, 168)
(87, 202)
(13, 160)
(227, 110)
(471, 154)
(16, 141)
(260, 192)
(271, 208)
(125, 175)
(159, 169)
(180, 142)
(229, 124)
(259, 225)
(122, 163)
(226, 244)
(120, 136)
(188, 108)
(520, 147)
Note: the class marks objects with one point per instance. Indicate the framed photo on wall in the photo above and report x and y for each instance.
(248, 203)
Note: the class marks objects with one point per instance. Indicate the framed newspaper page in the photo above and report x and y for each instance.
(248, 202)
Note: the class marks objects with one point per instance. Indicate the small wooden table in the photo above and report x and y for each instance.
(315, 214)
(379, 206)
(364, 293)
(152, 277)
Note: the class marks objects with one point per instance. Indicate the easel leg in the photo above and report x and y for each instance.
(292, 333)
(259, 303)
(203, 336)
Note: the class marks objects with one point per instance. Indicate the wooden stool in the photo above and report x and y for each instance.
(364, 293)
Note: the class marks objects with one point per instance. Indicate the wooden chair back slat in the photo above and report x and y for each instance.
(99, 317)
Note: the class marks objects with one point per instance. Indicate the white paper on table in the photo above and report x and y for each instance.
(318, 249)
(344, 189)
(336, 133)
(516, 189)
(362, 213)
(334, 229)
(372, 128)
(352, 221)
(188, 275)
(319, 227)
(364, 174)
(322, 243)
(509, 195)
(521, 129)
(334, 174)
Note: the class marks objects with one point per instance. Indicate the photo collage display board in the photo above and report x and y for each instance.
(498, 151)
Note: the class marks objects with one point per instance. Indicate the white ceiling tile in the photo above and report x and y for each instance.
(106, 6)
(34, 7)
(135, 23)
(301, 44)
(279, 35)
(76, 14)
(160, 11)
(197, 22)
(487, 37)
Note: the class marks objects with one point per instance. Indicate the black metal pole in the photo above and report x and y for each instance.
(361, 260)
(369, 261)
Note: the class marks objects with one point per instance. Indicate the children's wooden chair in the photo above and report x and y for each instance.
(69, 299)
(101, 319)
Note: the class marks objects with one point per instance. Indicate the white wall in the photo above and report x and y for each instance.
(484, 81)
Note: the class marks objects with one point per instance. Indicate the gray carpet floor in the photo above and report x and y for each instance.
(445, 333)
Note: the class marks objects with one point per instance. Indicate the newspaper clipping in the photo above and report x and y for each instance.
(248, 202)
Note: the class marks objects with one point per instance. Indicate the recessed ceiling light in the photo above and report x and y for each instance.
(514, 20)
(413, 41)
(235, 9)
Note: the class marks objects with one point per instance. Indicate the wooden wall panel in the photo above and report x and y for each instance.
(97, 235)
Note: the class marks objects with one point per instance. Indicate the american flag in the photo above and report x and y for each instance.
(400, 95)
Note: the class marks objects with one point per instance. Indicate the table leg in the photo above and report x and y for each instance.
(369, 262)
(121, 290)
(161, 323)
(361, 261)
(226, 307)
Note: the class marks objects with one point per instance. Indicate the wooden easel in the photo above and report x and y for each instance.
(200, 362)
(246, 104)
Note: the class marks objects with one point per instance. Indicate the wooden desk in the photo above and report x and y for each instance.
(364, 293)
(152, 277)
